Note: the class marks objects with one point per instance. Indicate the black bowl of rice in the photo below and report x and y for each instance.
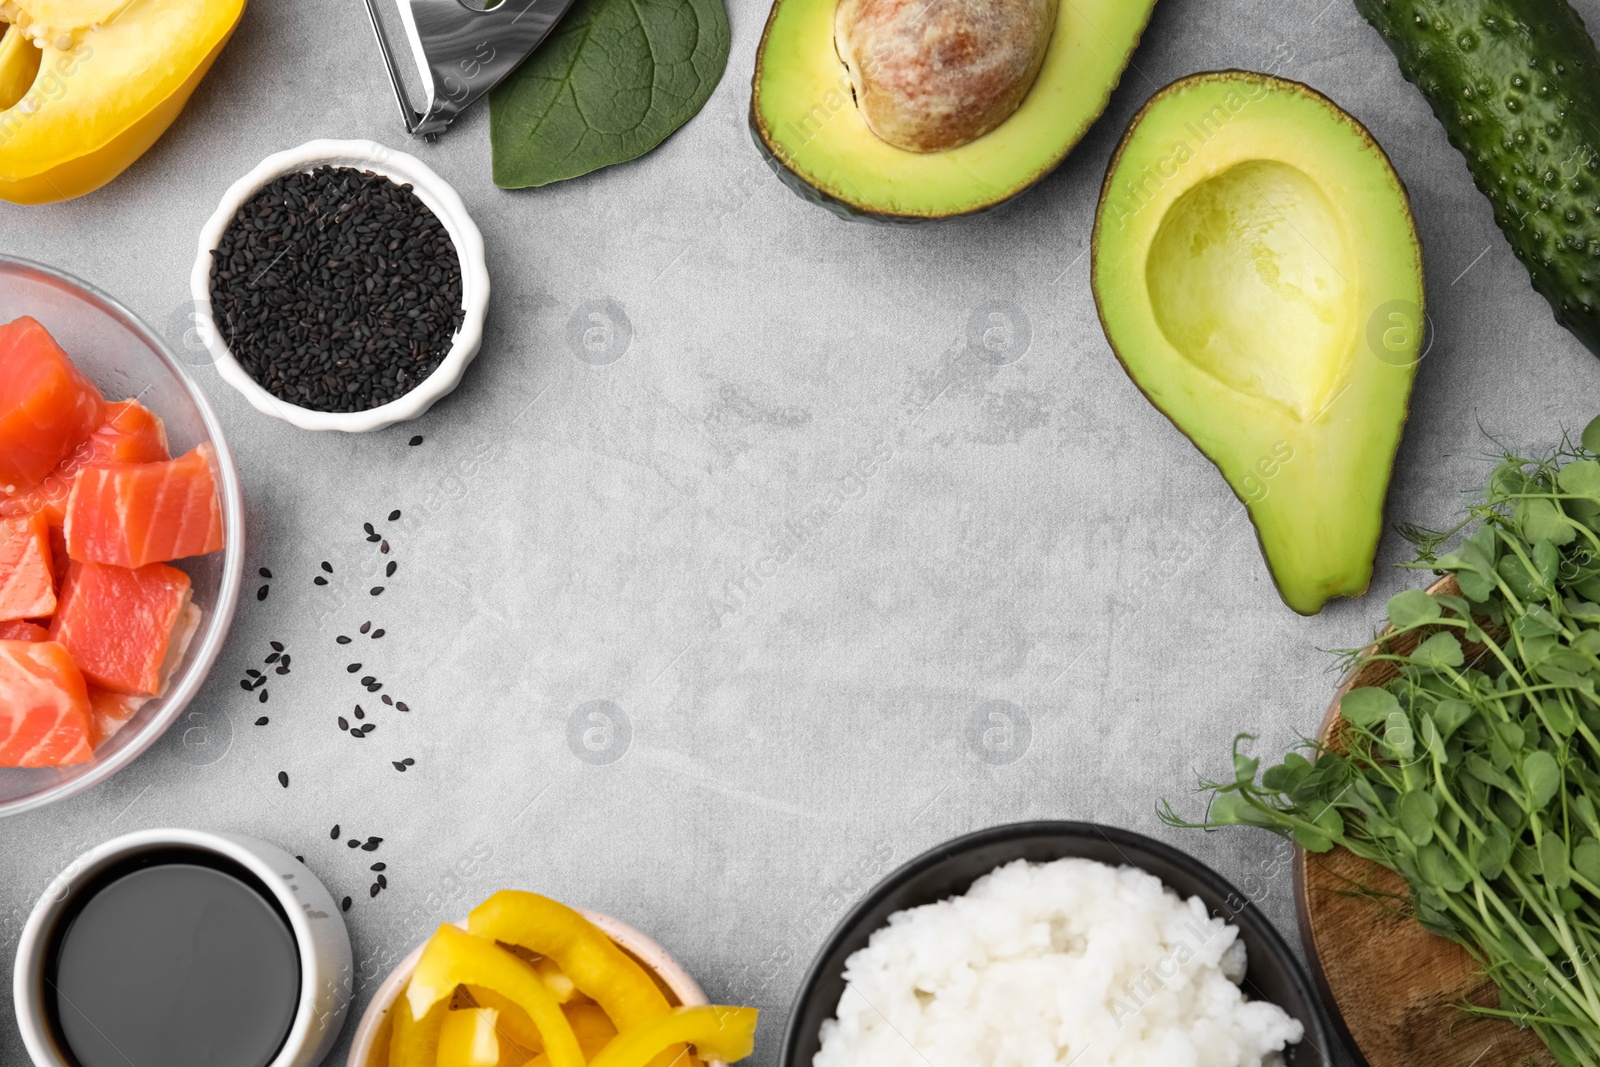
(1055, 942)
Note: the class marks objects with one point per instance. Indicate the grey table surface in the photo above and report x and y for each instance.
(1033, 533)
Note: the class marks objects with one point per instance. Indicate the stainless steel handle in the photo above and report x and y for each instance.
(461, 52)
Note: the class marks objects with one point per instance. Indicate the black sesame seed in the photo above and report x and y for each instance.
(409, 762)
(265, 573)
(374, 687)
(342, 639)
(263, 696)
(384, 547)
(372, 844)
(283, 779)
(359, 713)
(283, 668)
(353, 843)
(403, 706)
(343, 723)
(273, 657)
(387, 699)
(277, 646)
(327, 567)
(377, 590)
(415, 441)
(245, 685)
(378, 633)
(252, 672)
(401, 767)
(388, 571)
(368, 680)
(378, 867)
(383, 882)
(367, 526)
(334, 834)
(353, 668)
(344, 905)
(366, 626)
(394, 515)
(320, 580)
(369, 727)
(261, 594)
(261, 721)
(340, 290)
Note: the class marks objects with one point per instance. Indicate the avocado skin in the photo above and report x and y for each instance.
(1516, 85)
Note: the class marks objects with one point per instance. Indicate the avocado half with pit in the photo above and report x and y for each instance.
(903, 110)
(1258, 274)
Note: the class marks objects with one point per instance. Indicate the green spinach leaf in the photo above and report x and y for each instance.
(613, 80)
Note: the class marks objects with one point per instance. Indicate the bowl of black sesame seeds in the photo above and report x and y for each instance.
(341, 285)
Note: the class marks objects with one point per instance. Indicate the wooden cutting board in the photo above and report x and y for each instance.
(1394, 987)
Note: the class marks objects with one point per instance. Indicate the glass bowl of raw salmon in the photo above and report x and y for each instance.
(121, 536)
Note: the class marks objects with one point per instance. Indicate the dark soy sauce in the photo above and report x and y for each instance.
(175, 958)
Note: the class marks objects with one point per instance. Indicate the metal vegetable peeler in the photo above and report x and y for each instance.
(462, 52)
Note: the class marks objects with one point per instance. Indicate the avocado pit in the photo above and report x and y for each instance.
(932, 75)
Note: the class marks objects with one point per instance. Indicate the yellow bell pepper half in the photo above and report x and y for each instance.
(717, 1033)
(469, 1039)
(103, 92)
(600, 970)
(453, 957)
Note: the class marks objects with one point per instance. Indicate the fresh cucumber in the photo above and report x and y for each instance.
(1516, 84)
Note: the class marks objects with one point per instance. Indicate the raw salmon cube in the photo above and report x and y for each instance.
(27, 585)
(110, 712)
(44, 706)
(132, 433)
(131, 515)
(47, 408)
(23, 630)
(119, 624)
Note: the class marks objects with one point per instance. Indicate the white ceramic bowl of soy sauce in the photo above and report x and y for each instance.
(315, 1009)
(436, 194)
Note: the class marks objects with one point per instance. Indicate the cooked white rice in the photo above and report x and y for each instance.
(1071, 962)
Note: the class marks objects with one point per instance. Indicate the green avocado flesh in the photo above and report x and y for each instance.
(804, 116)
(1258, 274)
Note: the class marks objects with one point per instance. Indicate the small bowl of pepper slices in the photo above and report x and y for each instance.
(621, 999)
(341, 285)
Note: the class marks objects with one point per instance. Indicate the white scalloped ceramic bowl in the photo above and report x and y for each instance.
(440, 198)
(371, 1045)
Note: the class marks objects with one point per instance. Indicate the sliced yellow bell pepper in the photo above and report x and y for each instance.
(514, 1025)
(414, 1042)
(469, 1039)
(593, 1027)
(717, 1033)
(599, 969)
(104, 91)
(453, 957)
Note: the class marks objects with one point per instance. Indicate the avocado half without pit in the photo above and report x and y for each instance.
(901, 110)
(1258, 274)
